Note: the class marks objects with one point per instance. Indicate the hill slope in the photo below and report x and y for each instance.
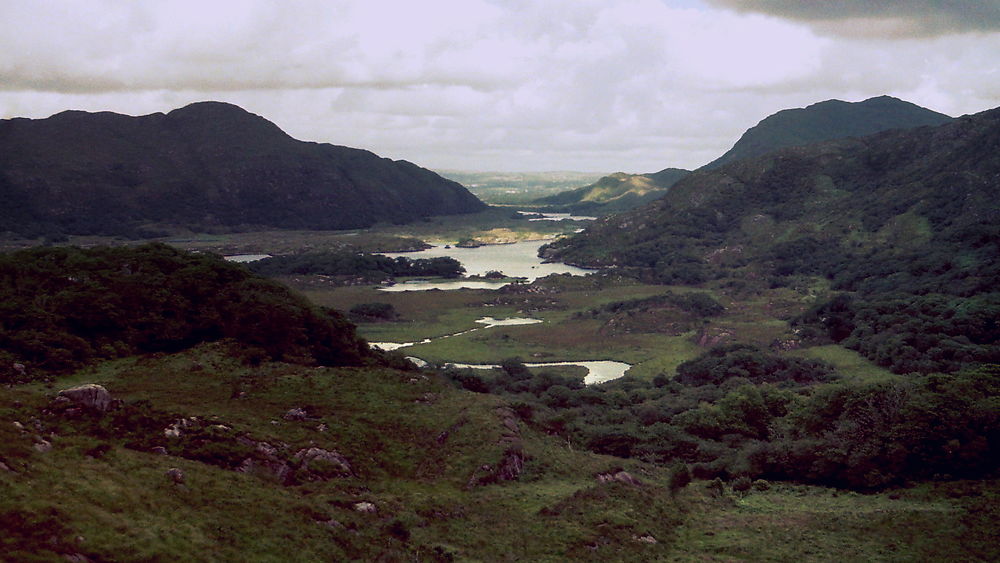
(209, 165)
(616, 192)
(907, 188)
(824, 121)
(906, 220)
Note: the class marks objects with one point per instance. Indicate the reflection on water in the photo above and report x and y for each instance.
(517, 260)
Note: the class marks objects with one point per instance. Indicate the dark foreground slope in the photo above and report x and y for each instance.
(209, 165)
(825, 121)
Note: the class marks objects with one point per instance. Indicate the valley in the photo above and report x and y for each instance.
(791, 356)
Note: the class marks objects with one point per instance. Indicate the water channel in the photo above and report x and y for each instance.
(598, 371)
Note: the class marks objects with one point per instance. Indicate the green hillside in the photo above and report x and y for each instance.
(160, 405)
(904, 222)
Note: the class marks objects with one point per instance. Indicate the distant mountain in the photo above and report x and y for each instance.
(616, 192)
(209, 165)
(824, 121)
(518, 187)
(916, 199)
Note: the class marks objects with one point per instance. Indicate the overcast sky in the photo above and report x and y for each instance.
(512, 85)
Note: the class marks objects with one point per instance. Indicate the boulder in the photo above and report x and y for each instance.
(274, 468)
(323, 463)
(365, 507)
(91, 396)
(296, 414)
(620, 477)
(176, 475)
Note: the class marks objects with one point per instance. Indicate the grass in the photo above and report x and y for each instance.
(390, 426)
(848, 362)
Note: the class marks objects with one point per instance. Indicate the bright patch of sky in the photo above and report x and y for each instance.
(594, 85)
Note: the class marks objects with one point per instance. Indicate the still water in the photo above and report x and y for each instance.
(519, 259)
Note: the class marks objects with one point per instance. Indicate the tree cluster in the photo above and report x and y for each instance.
(762, 416)
(63, 307)
(371, 267)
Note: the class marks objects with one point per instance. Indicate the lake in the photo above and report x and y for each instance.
(519, 259)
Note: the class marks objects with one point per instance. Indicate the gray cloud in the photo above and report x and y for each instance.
(600, 85)
(885, 18)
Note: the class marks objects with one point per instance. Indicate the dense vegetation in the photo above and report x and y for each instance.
(368, 267)
(207, 166)
(904, 222)
(739, 412)
(61, 308)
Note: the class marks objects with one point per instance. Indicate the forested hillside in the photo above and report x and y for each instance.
(904, 222)
(63, 308)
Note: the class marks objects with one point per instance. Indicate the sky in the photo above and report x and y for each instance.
(501, 85)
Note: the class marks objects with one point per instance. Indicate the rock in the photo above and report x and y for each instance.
(295, 414)
(365, 507)
(324, 463)
(90, 396)
(176, 475)
(4, 467)
(509, 468)
(43, 446)
(158, 450)
(276, 469)
(620, 477)
(645, 539)
(511, 425)
(19, 426)
(321, 427)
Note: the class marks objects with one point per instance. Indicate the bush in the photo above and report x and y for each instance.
(680, 477)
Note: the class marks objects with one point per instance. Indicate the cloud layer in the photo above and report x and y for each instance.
(883, 18)
(635, 85)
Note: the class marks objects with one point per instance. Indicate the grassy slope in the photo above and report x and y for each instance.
(122, 506)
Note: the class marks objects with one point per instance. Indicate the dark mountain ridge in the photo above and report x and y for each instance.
(828, 120)
(209, 165)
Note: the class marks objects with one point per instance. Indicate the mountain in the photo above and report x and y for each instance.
(824, 121)
(617, 192)
(209, 165)
(906, 223)
(895, 190)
